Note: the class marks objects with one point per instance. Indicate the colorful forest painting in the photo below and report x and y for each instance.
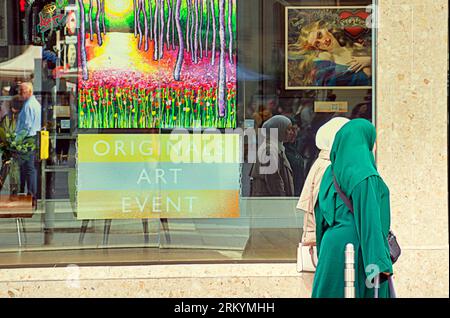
(157, 64)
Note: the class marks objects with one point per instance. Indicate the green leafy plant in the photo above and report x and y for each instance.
(9, 146)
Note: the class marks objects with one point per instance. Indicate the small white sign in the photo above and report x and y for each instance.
(65, 124)
(249, 123)
(70, 40)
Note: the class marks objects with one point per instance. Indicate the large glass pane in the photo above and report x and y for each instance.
(116, 80)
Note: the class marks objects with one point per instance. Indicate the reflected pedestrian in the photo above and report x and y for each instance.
(280, 182)
(28, 126)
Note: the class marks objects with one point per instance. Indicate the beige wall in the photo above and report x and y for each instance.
(412, 138)
(412, 157)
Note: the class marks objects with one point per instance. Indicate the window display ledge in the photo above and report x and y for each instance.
(149, 272)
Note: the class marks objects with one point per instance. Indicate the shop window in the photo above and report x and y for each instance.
(113, 77)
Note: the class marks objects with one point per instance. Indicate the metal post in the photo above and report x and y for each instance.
(18, 232)
(349, 272)
(377, 286)
(24, 231)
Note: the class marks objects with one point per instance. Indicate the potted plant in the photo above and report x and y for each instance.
(12, 150)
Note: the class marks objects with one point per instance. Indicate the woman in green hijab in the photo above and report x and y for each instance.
(353, 164)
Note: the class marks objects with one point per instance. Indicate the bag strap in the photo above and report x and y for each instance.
(311, 253)
(344, 198)
(305, 222)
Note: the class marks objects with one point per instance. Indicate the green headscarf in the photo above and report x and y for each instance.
(352, 161)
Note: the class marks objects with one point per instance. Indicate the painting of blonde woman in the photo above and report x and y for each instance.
(328, 48)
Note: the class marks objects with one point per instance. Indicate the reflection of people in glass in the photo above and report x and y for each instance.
(14, 90)
(279, 183)
(308, 198)
(362, 110)
(4, 105)
(261, 115)
(293, 153)
(330, 59)
(28, 125)
(308, 120)
(353, 165)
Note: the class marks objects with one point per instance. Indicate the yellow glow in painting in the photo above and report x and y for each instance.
(125, 56)
(118, 8)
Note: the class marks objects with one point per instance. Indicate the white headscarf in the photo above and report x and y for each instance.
(308, 198)
(325, 135)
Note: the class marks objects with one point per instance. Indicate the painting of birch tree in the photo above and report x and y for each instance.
(157, 63)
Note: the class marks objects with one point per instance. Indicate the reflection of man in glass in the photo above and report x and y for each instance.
(14, 90)
(28, 125)
(329, 58)
(261, 115)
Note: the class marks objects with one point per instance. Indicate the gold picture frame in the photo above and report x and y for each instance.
(314, 71)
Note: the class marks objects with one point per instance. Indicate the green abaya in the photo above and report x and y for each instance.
(353, 164)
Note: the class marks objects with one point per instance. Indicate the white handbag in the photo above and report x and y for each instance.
(306, 258)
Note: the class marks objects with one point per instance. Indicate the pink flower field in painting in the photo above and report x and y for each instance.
(130, 81)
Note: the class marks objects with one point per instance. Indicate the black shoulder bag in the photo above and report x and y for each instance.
(394, 247)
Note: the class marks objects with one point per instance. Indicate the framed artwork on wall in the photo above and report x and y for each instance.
(328, 48)
(157, 64)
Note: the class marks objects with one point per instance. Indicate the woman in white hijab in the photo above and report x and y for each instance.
(308, 198)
